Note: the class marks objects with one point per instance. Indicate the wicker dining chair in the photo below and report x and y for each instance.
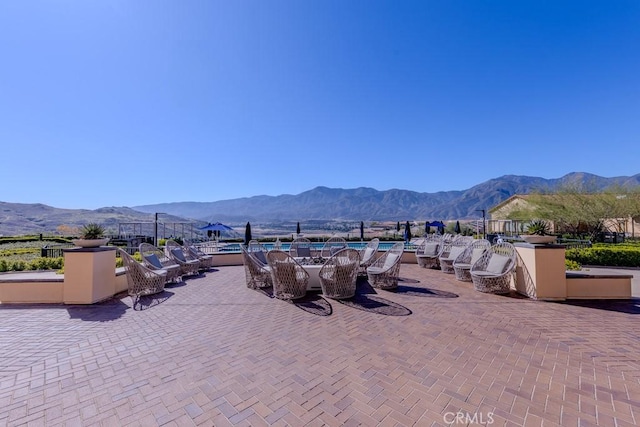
(368, 255)
(384, 271)
(302, 247)
(140, 279)
(428, 252)
(289, 278)
(339, 274)
(174, 250)
(462, 264)
(493, 272)
(333, 245)
(257, 274)
(451, 250)
(155, 259)
(258, 251)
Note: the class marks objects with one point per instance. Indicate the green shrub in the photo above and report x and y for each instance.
(3, 266)
(539, 227)
(612, 255)
(572, 265)
(19, 266)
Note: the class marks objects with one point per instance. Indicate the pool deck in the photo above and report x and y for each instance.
(212, 352)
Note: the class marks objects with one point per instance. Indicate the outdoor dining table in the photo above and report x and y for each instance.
(310, 267)
(313, 268)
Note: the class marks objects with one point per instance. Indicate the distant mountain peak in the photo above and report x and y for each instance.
(319, 203)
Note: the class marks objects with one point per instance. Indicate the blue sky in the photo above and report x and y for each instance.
(124, 103)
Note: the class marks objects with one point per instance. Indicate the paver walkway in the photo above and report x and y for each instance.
(212, 352)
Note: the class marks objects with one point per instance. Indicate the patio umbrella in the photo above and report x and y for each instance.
(361, 230)
(247, 234)
(439, 225)
(427, 227)
(218, 226)
(407, 231)
(298, 228)
(457, 229)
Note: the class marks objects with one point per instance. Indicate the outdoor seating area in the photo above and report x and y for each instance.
(213, 352)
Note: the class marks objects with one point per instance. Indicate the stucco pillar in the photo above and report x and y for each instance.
(541, 271)
(89, 274)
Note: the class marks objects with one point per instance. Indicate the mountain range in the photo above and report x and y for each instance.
(320, 203)
(365, 204)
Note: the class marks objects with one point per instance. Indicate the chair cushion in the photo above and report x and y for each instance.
(390, 261)
(476, 254)
(177, 252)
(153, 260)
(497, 263)
(431, 249)
(455, 252)
(259, 255)
(368, 252)
(303, 251)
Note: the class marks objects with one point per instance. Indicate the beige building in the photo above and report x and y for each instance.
(499, 221)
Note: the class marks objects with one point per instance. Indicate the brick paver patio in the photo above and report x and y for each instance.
(212, 352)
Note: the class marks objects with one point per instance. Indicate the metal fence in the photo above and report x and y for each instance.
(54, 250)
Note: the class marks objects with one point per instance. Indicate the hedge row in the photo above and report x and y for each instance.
(614, 256)
(36, 264)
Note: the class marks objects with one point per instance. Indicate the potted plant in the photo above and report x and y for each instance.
(91, 236)
(538, 232)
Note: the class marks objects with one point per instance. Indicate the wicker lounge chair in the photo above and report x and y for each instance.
(428, 253)
(188, 267)
(301, 247)
(256, 273)
(289, 279)
(339, 274)
(206, 261)
(451, 250)
(140, 279)
(492, 273)
(462, 264)
(155, 259)
(368, 255)
(384, 271)
(332, 245)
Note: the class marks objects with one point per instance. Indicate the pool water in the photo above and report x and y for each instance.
(235, 247)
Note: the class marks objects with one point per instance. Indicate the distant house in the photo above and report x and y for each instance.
(500, 223)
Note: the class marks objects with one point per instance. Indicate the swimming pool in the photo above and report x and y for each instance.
(384, 246)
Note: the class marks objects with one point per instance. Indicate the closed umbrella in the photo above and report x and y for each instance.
(247, 234)
(298, 228)
(407, 231)
(361, 230)
(457, 229)
(427, 228)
